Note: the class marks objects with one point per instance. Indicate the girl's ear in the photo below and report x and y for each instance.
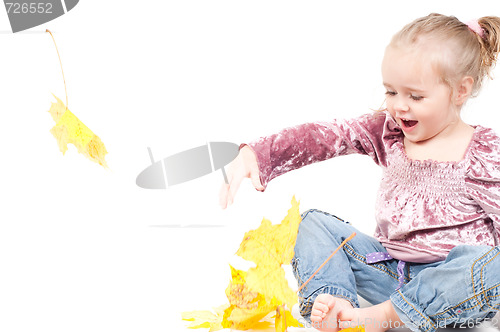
(464, 89)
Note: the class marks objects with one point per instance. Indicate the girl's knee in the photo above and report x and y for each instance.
(316, 221)
(319, 228)
(473, 254)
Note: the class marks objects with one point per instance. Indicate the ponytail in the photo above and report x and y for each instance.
(490, 43)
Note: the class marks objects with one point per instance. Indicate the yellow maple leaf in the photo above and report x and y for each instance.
(238, 292)
(205, 318)
(270, 246)
(253, 294)
(244, 319)
(284, 319)
(264, 288)
(247, 307)
(69, 129)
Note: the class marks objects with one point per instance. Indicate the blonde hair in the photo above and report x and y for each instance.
(472, 55)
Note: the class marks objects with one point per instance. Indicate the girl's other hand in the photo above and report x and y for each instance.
(243, 166)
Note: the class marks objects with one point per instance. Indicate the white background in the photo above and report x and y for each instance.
(83, 248)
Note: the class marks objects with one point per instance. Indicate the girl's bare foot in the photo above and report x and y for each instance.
(377, 318)
(327, 311)
(331, 314)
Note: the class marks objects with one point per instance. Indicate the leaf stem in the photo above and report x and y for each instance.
(326, 260)
(64, 80)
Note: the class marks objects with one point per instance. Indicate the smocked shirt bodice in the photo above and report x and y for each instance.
(423, 208)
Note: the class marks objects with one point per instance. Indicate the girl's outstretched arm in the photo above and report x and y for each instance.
(295, 147)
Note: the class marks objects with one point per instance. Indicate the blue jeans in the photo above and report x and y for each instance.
(463, 288)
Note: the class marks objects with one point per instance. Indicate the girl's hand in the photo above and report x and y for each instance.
(243, 166)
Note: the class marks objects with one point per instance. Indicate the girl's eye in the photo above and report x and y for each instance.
(416, 98)
(390, 93)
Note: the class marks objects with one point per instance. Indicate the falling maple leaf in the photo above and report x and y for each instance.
(255, 293)
(69, 129)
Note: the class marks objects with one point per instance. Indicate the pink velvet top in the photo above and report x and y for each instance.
(424, 208)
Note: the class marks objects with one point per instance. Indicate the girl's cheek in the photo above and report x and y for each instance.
(390, 108)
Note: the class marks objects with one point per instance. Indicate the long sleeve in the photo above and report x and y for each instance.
(308, 143)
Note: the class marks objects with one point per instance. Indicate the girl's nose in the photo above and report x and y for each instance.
(401, 105)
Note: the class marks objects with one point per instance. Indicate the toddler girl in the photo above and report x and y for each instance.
(435, 257)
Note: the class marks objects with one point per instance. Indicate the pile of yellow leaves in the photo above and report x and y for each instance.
(255, 293)
(69, 129)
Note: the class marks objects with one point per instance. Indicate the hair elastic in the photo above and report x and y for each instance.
(474, 26)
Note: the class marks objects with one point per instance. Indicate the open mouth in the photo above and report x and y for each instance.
(409, 123)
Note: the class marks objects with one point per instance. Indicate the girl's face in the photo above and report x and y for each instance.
(416, 96)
